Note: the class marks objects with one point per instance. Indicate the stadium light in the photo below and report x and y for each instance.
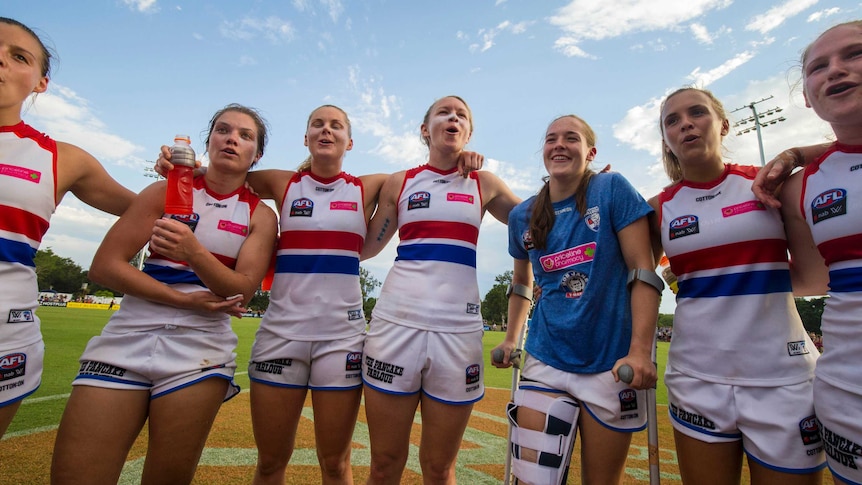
(759, 120)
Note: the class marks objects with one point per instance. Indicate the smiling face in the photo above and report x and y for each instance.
(448, 123)
(328, 133)
(832, 78)
(692, 129)
(22, 62)
(233, 141)
(569, 147)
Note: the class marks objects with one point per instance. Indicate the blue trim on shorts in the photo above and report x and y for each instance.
(21, 397)
(794, 471)
(583, 405)
(336, 388)
(529, 387)
(737, 436)
(229, 380)
(110, 379)
(387, 391)
(276, 384)
(455, 403)
(836, 476)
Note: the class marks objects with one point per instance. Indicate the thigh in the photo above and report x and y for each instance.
(96, 432)
(335, 415)
(6, 414)
(840, 415)
(337, 364)
(394, 358)
(702, 410)
(390, 419)
(179, 424)
(280, 362)
(443, 428)
(708, 463)
(275, 414)
(603, 451)
(455, 370)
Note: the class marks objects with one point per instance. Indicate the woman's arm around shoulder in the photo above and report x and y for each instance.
(371, 185)
(80, 173)
(808, 272)
(654, 219)
(269, 183)
(384, 223)
(497, 197)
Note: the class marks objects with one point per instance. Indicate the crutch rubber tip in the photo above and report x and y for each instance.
(497, 356)
(626, 373)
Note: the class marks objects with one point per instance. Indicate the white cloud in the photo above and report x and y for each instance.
(706, 78)
(334, 8)
(702, 34)
(271, 28)
(822, 14)
(145, 6)
(594, 20)
(487, 35)
(775, 16)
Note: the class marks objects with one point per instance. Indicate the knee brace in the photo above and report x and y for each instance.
(553, 445)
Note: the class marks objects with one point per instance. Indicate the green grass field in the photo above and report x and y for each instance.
(67, 330)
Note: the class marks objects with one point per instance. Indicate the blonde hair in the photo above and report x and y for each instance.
(669, 160)
(542, 214)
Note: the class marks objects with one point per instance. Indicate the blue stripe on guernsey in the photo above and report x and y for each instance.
(172, 276)
(437, 252)
(751, 283)
(845, 280)
(17, 252)
(313, 263)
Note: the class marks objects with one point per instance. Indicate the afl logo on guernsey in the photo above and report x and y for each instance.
(628, 400)
(12, 366)
(419, 200)
(829, 204)
(810, 430)
(472, 374)
(683, 226)
(303, 207)
(190, 220)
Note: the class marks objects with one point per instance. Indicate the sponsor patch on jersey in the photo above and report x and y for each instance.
(22, 173)
(190, 220)
(809, 428)
(472, 308)
(456, 197)
(419, 200)
(354, 314)
(797, 348)
(829, 204)
(233, 228)
(20, 316)
(302, 207)
(683, 226)
(591, 219)
(745, 207)
(13, 366)
(343, 205)
(527, 240)
(568, 257)
(472, 374)
(353, 361)
(574, 283)
(628, 400)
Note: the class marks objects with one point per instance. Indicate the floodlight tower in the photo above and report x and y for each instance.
(758, 120)
(149, 172)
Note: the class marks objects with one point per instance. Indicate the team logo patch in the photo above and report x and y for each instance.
(354, 314)
(233, 228)
(591, 219)
(829, 204)
(302, 207)
(628, 400)
(472, 374)
(810, 430)
(13, 366)
(683, 226)
(472, 308)
(341, 205)
(455, 197)
(797, 348)
(527, 240)
(20, 316)
(22, 173)
(574, 282)
(190, 220)
(354, 361)
(419, 200)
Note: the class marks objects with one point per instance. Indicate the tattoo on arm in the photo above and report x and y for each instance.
(383, 229)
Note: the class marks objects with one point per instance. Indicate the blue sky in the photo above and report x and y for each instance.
(132, 73)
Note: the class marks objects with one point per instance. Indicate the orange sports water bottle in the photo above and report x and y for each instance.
(668, 275)
(179, 197)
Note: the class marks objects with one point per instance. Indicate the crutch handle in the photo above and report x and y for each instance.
(514, 357)
(626, 373)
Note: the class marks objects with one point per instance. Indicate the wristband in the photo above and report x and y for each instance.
(647, 276)
(521, 290)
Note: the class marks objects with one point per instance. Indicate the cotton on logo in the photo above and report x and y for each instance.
(828, 198)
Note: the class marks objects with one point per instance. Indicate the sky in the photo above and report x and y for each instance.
(130, 74)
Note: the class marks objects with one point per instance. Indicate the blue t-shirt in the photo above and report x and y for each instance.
(582, 323)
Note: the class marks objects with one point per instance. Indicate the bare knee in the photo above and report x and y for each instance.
(335, 466)
(438, 472)
(387, 468)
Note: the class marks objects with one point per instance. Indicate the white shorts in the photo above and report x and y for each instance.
(447, 367)
(334, 365)
(777, 425)
(20, 372)
(160, 361)
(840, 415)
(613, 404)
